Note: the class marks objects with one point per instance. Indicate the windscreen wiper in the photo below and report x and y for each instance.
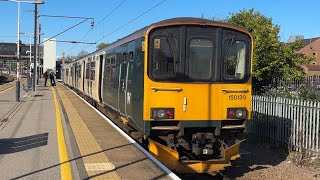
(228, 47)
(172, 48)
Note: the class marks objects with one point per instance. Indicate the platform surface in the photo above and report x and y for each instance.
(52, 134)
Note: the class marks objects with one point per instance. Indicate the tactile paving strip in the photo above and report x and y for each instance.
(94, 158)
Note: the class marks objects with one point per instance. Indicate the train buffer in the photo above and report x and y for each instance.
(53, 134)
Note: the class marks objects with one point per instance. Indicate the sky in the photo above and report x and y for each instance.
(119, 18)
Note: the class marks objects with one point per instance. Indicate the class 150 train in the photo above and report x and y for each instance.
(181, 86)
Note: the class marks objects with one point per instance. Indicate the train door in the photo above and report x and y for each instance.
(122, 88)
(76, 75)
(79, 75)
(83, 75)
(92, 76)
(100, 77)
(129, 85)
(88, 77)
(73, 75)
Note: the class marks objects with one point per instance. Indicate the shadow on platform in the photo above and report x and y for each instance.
(91, 154)
(13, 145)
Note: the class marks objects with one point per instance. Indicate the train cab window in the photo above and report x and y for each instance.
(200, 59)
(67, 72)
(234, 60)
(93, 70)
(164, 57)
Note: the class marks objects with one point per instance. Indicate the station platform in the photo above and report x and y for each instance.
(53, 134)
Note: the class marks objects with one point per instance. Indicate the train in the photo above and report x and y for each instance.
(181, 87)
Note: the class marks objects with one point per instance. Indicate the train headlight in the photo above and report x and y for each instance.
(237, 113)
(162, 113)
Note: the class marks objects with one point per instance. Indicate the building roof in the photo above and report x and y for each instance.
(312, 67)
(306, 42)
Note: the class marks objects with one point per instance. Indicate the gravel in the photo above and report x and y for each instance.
(269, 162)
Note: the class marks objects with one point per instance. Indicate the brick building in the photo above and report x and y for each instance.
(311, 48)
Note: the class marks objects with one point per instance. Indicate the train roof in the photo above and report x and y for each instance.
(181, 20)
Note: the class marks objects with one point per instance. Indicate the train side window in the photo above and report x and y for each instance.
(113, 74)
(200, 59)
(67, 72)
(110, 68)
(113, 60)
(130, 55)
(108, 73)
(93, 70)
(87, 70)
(125, 56)
(108, 61)
(79, 71)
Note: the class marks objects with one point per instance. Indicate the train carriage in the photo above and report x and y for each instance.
(183, 85)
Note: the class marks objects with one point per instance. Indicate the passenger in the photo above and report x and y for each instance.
(52, 74)
(45, 75)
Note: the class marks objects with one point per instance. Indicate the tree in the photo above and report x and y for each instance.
(81, 54)
(102, 45)
(271, 58)
(70, 58)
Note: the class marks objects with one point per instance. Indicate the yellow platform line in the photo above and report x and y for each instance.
(63, 154)
(7, 89)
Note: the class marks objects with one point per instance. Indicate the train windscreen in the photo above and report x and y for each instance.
(198, 54)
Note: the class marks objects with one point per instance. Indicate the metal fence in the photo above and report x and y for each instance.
(291, 123)
(310, 83)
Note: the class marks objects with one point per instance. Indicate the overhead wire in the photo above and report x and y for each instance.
(117, 7)
(64, 31)
(123, 25)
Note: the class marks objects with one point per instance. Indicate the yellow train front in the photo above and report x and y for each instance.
(197, 93)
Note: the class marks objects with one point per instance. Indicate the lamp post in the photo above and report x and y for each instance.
(35, 47)
(35, 34)
(18, 58)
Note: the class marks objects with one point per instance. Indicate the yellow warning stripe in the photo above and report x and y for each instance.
(63, 154)
(8, 88)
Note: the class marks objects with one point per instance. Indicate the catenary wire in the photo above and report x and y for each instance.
(65, 31)
(123, 25)
(98, 24)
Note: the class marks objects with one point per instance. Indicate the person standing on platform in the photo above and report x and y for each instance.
(45, 75)
(52, 74)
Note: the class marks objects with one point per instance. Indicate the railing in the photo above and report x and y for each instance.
(287, 122)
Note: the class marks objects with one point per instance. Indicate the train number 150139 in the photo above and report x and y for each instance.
(237, 97)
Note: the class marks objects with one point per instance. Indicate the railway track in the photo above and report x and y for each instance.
(8, 86)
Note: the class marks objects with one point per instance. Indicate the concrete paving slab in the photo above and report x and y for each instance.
(28, 141)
